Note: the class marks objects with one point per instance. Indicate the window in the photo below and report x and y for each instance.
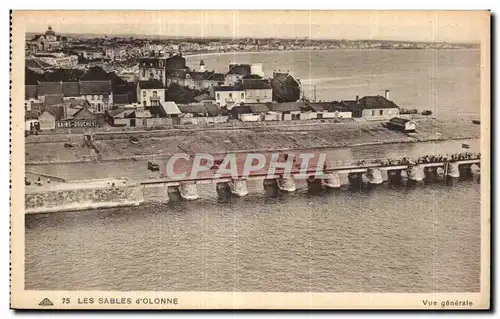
(373, 112)
(381, 112)
(155, 94)
(218, 96)
(230, 95)
(98, 107)
(143, 73)
(242, 95)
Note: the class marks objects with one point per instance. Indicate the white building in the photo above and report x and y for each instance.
(150, 93)
(257, 91)
(58, 59)
(110, 54)
(228, 96)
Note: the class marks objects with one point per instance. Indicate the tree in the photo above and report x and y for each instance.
(181, 94)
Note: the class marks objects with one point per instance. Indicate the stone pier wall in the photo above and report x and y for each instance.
(83, 198)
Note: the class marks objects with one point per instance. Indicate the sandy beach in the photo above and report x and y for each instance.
(116, 147)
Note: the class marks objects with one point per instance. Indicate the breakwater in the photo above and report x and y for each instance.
(82, 195)
(429, 168)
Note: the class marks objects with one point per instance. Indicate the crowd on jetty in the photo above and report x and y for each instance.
(427, 159)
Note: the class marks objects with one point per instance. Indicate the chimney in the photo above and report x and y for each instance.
(357, 98)
(387, 94)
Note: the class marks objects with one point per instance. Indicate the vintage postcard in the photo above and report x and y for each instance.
(250, 160)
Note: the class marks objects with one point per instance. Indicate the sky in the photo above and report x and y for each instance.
(448, 26)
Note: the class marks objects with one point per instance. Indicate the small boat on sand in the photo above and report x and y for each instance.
(68, 145)
(133, 140)
(464, 145)
(153, 166)
(476, 122)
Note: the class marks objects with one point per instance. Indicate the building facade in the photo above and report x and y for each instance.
(228, 96)
(257, 91)
(152, 68)
(95, 87)
(374, 108)
(150, 93)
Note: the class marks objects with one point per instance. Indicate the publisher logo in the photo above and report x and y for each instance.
(46, 302)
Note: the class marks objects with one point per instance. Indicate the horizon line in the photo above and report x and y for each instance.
(246, 37)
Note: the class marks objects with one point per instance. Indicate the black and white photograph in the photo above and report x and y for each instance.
(250, 159)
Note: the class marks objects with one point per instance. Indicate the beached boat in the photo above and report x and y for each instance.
(464, 145)
(476, 121)
(133, 140)
(68, 145)
(153, 166)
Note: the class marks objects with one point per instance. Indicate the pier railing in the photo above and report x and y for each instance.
(343, 167)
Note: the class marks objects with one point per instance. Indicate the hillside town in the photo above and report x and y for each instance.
(102, 82)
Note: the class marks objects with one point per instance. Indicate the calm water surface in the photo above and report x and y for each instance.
(385, 240)
(446, 82)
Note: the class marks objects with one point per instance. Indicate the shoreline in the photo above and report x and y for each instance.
(209, 54)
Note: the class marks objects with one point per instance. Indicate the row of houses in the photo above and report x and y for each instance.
(78, 114)
(102, 90)
(282, 87)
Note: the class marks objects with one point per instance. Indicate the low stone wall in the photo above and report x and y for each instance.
(70, 199)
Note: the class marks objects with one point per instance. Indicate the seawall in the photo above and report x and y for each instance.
(81, 196)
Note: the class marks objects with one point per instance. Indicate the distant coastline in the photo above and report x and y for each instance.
(211, 53)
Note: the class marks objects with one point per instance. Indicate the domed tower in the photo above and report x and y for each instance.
(202, 66)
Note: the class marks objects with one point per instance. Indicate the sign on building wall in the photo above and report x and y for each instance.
(76, 123)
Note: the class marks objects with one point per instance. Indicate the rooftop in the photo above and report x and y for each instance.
(95, 73)
(71, 89)
(255, 84)
(171, 108)
(56, 110)
(258, 107)
(34, 63)
(286, 107)
(64, 75)
(374, 102)
(54, 99)
(228, 88)
(213, 110)
(399, 120)
(150, 84)
(47, 88)
(193, 108)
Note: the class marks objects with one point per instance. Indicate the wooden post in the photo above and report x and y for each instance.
(445, 170)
